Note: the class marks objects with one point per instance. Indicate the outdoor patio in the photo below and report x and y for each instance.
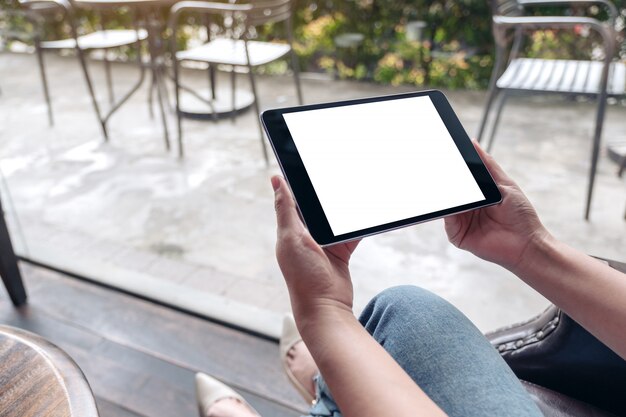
(199, 233)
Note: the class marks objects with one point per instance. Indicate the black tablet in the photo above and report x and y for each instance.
(366, 166)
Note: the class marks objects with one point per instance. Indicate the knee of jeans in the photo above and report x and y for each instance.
(409, 306)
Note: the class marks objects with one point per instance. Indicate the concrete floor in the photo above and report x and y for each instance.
(200, 232)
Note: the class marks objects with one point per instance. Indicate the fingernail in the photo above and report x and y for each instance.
(275, 183)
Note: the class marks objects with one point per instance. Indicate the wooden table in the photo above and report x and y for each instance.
(39, 379)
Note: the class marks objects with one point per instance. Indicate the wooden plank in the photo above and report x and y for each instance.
(243, 361)
(107, 380)
(132, 380)
(108, 409)
(239, 359)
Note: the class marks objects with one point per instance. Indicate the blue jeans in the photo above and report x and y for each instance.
(444, 353)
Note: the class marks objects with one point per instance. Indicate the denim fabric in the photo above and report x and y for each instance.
(444, 353)
(324, 404)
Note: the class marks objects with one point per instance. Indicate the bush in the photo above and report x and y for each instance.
(455, 50)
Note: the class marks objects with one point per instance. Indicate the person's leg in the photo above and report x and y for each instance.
(444, 353)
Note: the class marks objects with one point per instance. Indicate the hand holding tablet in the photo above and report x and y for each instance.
(366, 166)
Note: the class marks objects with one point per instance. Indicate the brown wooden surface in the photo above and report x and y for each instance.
(140, 358)
(38, 379)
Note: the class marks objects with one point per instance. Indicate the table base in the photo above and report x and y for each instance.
(222, 106)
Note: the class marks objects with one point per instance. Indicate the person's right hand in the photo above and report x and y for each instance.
(501, 233)
(318, 279)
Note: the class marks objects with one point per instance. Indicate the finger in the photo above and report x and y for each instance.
(344, 248)
(452, 224)
(494, 168)
(352, 245)
(287, 216)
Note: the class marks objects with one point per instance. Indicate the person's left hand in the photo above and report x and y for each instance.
(318, 278)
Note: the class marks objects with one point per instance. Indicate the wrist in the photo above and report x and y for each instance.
(538, 248)
(315, 320)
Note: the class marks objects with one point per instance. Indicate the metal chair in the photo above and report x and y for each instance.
(103, 39)
(28, 37)
(595, 79)
(620, 172)
(236, 47)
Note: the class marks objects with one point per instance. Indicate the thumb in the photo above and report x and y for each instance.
(286, 213)
(493, 167)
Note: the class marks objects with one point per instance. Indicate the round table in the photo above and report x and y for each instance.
(39, 379)
(191, 106)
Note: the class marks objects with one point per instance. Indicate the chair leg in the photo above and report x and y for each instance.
(178, 115)
(44, 82)
(595, 151)
(233, 94)
(166, 93)
(211, 71)
(597, 135)
(166, 136)
(156, 79)
(150, 97)
(83, 65)
(492, 135)
(212, 87)
(295, 67)
(622, 168)
(493, 88)
(9, 269)
(491, 95)
(255, 103)
(107, 71)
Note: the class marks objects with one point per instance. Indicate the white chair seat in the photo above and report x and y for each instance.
(562, 76)
(102, 39)
(232, 52)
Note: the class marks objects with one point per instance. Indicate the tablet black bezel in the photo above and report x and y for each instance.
(306, 198)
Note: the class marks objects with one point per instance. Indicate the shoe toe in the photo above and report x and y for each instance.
(209, 390)
(290, 335)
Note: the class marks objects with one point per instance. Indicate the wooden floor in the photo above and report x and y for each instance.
(140, 358)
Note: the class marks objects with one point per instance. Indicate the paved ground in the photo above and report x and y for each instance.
(203, 228)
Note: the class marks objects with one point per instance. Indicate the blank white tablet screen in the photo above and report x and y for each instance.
(376, 163)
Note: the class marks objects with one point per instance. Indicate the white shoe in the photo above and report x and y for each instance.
(289, 337)
(209, 391)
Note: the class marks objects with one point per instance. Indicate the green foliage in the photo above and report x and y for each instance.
(455, 49)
